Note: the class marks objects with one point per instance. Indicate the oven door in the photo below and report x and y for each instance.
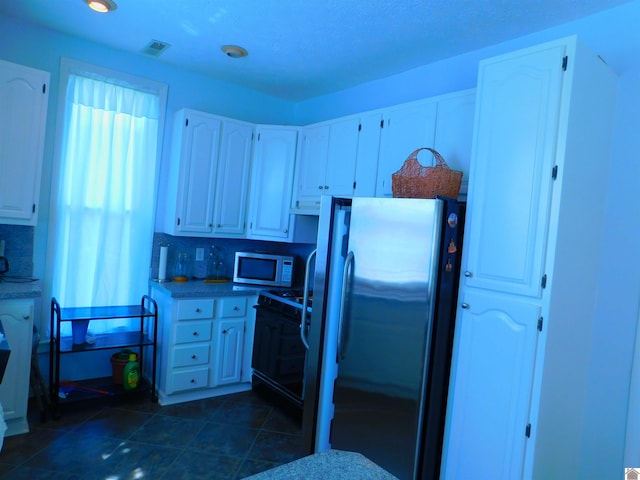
(279, 356)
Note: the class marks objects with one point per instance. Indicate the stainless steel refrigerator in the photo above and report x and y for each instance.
(381, 330)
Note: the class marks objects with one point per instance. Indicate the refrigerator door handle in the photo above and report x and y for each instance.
(304, 324)
(343, 296)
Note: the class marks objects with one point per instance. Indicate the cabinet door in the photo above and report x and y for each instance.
(272, 183)
(198, 159)
(405, 129)
(343, 154)
(229, 341)
(454, 132)
(312, 166)
(23, 95)
(514, 155)
(367, 158)
(16, 317)
(490, 389)
(230, 208)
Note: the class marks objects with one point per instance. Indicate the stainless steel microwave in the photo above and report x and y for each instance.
(263, 269)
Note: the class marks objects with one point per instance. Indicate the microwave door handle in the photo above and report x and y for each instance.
(348, 262)
(304, 324)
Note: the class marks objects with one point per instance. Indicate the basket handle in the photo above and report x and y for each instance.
(439, 160)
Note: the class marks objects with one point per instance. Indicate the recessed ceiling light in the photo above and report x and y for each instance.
(234, 51)
(102, 6)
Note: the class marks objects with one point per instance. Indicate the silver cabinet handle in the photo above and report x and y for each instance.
(304, 324)
(468, 274)
(343, 295)
(465, 306)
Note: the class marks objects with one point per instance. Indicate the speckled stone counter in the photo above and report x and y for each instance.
(11, 290)
(197, 288)
(329, 465)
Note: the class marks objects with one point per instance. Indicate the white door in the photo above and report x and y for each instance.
(230, 206)
(229, 335)
(509, 194)
(17, 321)
(23, 95)
(454, 131)
(490, 389)
(272, 182)
(343, 153)
(199, 160)
(406, 128)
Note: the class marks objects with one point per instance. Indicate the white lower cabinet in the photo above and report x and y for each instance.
(205, 346)
(487, 321)
(17, 321)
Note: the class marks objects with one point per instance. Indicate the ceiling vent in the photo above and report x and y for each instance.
(155, 48)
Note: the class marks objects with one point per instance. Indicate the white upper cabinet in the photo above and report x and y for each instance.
(232, 182)
(515, 154)
(405, 128)
(194, 158)
(271, 182)
(24, 94)
(209, 175)
(327, 163)
(454, 131)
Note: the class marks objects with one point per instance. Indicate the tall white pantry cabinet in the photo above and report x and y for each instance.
(533, 238)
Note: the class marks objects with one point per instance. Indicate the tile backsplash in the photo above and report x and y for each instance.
(18, 248)
(227, 248)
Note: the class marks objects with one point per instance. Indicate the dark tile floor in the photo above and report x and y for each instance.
(228, 437)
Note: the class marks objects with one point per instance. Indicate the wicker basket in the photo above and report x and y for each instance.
(416, 181)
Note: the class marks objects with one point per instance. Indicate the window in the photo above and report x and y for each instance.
(103, 209)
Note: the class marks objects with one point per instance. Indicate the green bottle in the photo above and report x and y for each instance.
(131, 373)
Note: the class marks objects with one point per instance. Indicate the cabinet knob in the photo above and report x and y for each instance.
(194, 356)
(326, 187)
(195, 334)
(197, 310)
(193, 380)
(465, 306)
(219, 225)
(468, 274)
(26, 317)
(224, 331)
(285, 231)
(236, 308)
(319, 187)
(211, 225)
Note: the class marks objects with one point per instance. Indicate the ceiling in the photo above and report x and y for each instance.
(301, 49)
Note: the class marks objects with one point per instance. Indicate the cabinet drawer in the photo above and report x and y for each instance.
(187, 355)
(196, 308)
(189, 332)
(190, 379)
(233, 307)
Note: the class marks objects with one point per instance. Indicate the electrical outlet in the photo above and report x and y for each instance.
(1, 248)
(199, 254)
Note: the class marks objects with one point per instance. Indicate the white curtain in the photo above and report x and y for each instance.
(105, 206)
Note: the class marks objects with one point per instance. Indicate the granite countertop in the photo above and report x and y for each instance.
(11, 290)
(332, 464)
(197, 288)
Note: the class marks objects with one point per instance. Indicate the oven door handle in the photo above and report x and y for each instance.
(348, 262)
(304, 323)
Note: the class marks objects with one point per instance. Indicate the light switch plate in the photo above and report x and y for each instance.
(199, 254)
